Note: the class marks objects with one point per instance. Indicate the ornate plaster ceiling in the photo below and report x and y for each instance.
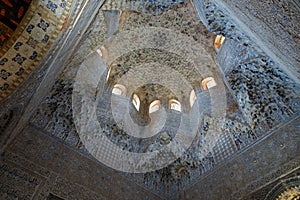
(166, 48)
(138, 44)
(166, 43)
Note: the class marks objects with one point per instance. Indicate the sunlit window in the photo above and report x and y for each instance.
(119, 90)
(208, 83)
(136, 101)
(175, 105)
(108, 74)
(154, 106)
(219, 41)
(99, 52)
(102, 52)
(192, 98)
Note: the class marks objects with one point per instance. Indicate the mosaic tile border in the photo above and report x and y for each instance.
(28, 45)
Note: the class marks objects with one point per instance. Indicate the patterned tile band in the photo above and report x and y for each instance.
(34, 36)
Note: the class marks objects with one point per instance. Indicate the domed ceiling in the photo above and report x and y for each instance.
(161, 55)
(158, 52)
(214, 100)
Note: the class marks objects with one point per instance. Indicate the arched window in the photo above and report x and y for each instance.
(208, 83)
(102, 52)
(99, 52)
(154, 106)
(192, 98)
(218, 41)
(136, 101)
(175, 105)
(119, 90)
(108, 74)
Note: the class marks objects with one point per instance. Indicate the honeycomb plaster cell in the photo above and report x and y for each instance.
(55, 117)
(266, 94)
(263, 91)
(55, 114)
(152, 7)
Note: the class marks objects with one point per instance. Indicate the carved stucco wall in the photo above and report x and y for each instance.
(33, 168)
(246, 68)
(48, 69)
(274, 25)
(270, 160)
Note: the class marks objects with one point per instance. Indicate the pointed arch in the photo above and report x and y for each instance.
(154, 106)
(119, 89)
(208, 83)
(136, 101)
(175, 105)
